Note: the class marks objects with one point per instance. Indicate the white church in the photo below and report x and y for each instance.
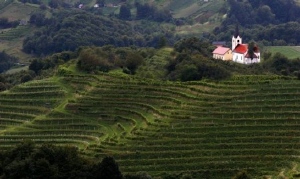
(240, 52)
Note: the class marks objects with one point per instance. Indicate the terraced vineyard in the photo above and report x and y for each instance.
(201, 128)
(14, 33)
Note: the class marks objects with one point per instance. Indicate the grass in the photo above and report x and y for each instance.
(18, 11)
(12, 39)
(291, 52)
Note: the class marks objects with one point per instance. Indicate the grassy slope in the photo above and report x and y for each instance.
(12, 39)
(291, 52)
(245, 123)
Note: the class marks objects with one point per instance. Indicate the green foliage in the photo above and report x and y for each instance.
(193, 62)
(63, 71)
(50, 62)
(133, 61)
(107, 169)
(106, 58)
(125, 12)
(9, 80)
(280, 64)
(149, 12)
(4, 23)
(270, 22)
(94, 59)
(68, 30)
(6, 61)
(249, 12)
(251, 49)
(194, 45)
(49, 161)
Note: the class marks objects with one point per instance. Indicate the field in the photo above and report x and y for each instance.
(291, 52)
(201, 129)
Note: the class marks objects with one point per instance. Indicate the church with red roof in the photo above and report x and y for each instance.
(241, 52)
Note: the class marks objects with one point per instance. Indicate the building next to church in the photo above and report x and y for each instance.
(239, 52)
(222, 53)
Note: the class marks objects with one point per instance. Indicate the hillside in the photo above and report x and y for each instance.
(292, 52)
(203, 18)
(163, 128)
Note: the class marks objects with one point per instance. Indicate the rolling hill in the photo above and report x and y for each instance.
(203, 16)
(201, 129)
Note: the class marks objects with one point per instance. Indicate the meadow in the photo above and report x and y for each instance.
(291, 52)
(201, 129)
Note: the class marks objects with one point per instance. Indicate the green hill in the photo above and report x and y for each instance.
(202, 17)
(164, 128)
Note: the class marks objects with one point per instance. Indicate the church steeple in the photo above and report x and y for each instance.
(236, 39)
(237, 31)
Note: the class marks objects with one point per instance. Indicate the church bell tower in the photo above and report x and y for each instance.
(236, 39)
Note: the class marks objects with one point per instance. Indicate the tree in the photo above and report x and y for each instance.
(251, 49)
(36, 66)
(54, 4)
(265, 15)
(190, 73)
(107, 169)
(133, 61)
(125, 12)
(162, 42)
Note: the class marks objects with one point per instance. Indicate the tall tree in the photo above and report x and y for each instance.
(251, 49)
(107, 169)
(125, 12)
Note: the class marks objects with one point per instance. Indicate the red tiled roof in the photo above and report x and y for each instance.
(241, 48)
(221, 50)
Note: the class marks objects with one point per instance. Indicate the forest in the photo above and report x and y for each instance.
(268, 22)
(68, 30)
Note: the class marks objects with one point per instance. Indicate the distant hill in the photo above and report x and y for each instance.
(193, 17)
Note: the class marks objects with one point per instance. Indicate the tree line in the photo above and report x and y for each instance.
(48, 161)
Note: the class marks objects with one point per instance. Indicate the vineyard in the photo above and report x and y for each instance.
(204, 129)
(14, 33)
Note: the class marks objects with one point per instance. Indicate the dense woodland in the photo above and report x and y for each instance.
(68, 30)
(275, 22)
(48, 161)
